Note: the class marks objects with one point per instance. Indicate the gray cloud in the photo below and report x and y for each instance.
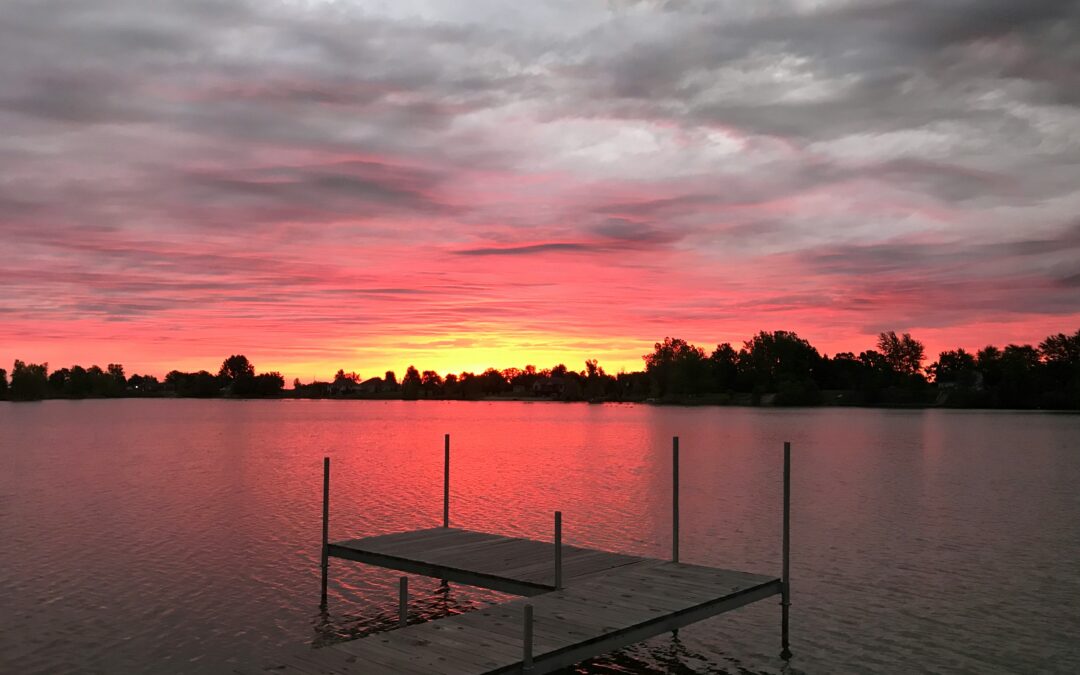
(356, 188)
(845, 136)
(528, 250)
(953, 282)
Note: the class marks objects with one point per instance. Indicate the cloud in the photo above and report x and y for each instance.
(223, 171)
(528, 249)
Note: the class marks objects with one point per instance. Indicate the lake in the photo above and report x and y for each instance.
(179, 536)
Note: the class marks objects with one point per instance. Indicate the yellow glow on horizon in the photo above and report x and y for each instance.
(473, 352)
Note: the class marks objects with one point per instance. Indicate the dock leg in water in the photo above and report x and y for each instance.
(785, 580)
(325, 529)
(675, 499)
(527, 641)
(558, 550)
(446, 481)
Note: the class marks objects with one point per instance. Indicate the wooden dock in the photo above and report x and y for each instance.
(579, 602)
(506, 564)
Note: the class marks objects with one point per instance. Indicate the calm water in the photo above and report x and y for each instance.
(180, 536)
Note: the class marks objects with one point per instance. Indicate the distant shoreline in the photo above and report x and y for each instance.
(525, 399)
(771, 369)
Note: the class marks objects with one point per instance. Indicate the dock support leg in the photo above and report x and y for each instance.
(446, 482)
(403, 602)
(675, 499)
(785, 582)
(325, 529)
(527, 641)
(558, 550)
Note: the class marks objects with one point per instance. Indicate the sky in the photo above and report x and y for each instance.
(456, 185)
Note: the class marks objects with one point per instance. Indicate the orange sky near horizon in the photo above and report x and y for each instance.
(485, 350)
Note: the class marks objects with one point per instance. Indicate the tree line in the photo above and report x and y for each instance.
(771, 368)
(236, 377)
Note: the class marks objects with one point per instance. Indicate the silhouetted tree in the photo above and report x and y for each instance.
(1061, 349)
(904, 354)
(29, 382)
(235, 367)
(781, 362)
(390, 378)
(1019, 385)
(450, 386)
(143, 384)
(492, 382)
(988, 361)
(469, 386)
(341, 377)
(201, 384)
(511, 374)
(844, 371)
(59, 383)
(954, 367)
(344, 383)
(268, 384)
(117, 372)
(592, 368)
(1061, 354)
(598, 384)
(411, 383)
(238, 376)
(98, 380)
(634, 386)
(676, 367)
(431, 383)
(3, 384)
(724, 367)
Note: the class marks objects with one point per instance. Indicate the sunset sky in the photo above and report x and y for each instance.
(366, 185)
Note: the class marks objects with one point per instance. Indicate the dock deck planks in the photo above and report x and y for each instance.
(507, 564)
(608, 601)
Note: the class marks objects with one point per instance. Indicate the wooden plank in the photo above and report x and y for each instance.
(610, 600)
(629, 635)
(457, 575)
(498, 554)
(565, 631)
(573, 567)
(419, 542)
(513, 559)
